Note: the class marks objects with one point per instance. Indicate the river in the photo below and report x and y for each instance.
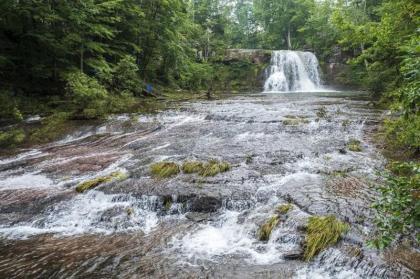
(283, 148)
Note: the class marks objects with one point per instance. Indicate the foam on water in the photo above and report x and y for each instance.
(26, 181)
(94, 212)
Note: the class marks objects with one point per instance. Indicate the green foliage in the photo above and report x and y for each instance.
(88, 96)
(403, 134)
(9, 110)
(398, 206)
(125, 77)
(52, 127)
(11, 138)
(164, 169)
(322, 232)
(265, 230)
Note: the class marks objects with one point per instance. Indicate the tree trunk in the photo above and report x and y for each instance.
(289, 40)
(81, 58)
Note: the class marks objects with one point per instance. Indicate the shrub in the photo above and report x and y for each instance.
(52, 127)
(88, 96)
(397, 207)
(126, 77)
(9, 110)
(403, 133)
(322, 232)
(11, 138)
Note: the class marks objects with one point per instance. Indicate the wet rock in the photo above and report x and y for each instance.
(342, 151)
(197, 216)
(204, 204)
(294, 255)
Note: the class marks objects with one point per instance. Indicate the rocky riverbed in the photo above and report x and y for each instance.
(310, 150)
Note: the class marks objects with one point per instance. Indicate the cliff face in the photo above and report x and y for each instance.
(243, 69)
(255, 56)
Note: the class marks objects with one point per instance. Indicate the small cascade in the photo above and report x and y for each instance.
(292, 71)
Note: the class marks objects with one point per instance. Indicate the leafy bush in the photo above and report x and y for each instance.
(404, 133)
(398, 206)
(126, 77)
(8, 107)
(11, 138)
(88, 96)
(52, 127)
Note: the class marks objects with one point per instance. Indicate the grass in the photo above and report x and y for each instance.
(192, 167)
(292, 120)
(164, 169)
(266, 229)
(354, 145)
(210, 168)
(214, 167)
(322, 112)
(90, 184)
(284, 208)
(322, 232)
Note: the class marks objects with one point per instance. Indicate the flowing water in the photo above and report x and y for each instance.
(293, 71)
(284, 148)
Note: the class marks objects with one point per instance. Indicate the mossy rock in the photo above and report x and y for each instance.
(192, 167)
(265, 230)
(164, 169)
(284, 208)
(322, 232)
(354, 145)
(214, 167)
(90, 184)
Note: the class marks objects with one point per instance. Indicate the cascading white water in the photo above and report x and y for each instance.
(292, 71)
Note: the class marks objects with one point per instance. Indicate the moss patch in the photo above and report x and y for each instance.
(164, 169)
(284, 208)
(214, 167)
(266, 229)
(192, 167)
(291, 120)
(322, 231)
(354, 145)
(90, 184)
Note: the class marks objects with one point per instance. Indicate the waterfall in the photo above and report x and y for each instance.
(292, 71)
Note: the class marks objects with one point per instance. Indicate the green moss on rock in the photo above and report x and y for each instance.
(266, 229)
(90, 184)
(322, 232)
(164, 169)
